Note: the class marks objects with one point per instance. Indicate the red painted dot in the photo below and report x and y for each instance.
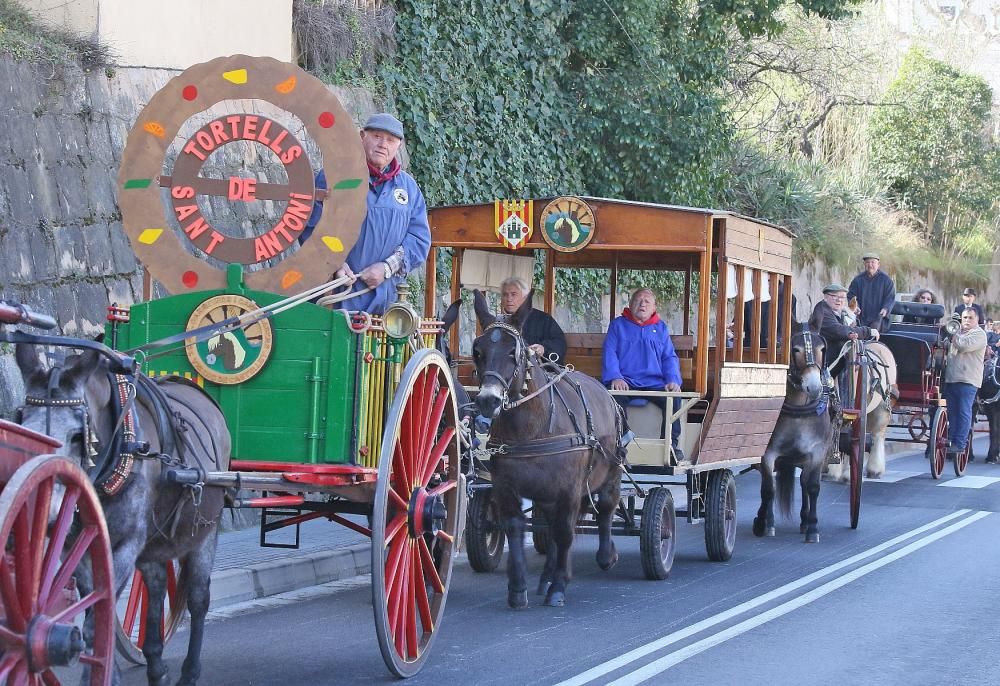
(326, 120)
(190, 92)
(189, 279)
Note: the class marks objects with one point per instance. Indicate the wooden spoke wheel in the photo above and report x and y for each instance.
(859, 437)
(484, 535)
(130, 629)
(418, 497)
(720, 515)
(657, 534)
(41, 617)
(962, 459)
(938, 447)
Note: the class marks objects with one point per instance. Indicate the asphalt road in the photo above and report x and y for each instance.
(911, 597)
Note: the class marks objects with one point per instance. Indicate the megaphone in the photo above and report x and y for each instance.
(953, 325)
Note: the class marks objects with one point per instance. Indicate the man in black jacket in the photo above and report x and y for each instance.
(875, 292)
(541, 332)
(827, 320)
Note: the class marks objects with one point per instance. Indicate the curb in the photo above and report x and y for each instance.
(231, 586)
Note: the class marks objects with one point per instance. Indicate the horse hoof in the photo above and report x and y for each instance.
(543, 587)
(608, 564)
(812, 538)
(770, 532)
(161, 680)
(556, 599)
(758, 527)
(873, 475)
(517, 599)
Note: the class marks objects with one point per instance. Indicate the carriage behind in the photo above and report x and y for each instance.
(728, 269)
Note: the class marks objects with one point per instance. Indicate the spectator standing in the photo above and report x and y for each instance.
(969, 302)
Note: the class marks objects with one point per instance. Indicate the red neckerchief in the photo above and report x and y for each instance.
(627, 313)
(376, 177)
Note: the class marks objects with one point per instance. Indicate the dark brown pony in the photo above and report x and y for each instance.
(151, 521)
(801, 438)
(557, 433)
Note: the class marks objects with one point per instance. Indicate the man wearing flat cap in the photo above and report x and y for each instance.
(969, 303)
(875, 292)
(395, 236)
(827, 320)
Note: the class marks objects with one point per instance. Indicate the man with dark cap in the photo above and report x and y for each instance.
(395, 236)
(827, 320)
(969, 303)
(875, 292)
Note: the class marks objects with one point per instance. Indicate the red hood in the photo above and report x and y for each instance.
(627, 313)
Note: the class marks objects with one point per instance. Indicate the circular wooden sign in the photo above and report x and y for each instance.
(171, 254)
(567, 224)
(234, 356)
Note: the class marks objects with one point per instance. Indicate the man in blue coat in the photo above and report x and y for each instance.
(875, 292)
(639, 355)
(395, 236)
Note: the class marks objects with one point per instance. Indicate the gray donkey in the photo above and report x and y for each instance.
(168, 427)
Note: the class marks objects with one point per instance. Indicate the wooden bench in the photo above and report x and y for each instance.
(584, 351)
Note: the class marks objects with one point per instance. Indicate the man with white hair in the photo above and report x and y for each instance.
(541, 332)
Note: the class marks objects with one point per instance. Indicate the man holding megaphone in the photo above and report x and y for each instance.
(963, 375)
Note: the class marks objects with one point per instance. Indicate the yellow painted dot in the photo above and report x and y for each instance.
(237, 76)
(290, 278)
(150, 236)
(155, 128)
(333, 243)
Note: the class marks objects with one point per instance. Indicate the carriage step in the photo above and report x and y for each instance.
(272, 519)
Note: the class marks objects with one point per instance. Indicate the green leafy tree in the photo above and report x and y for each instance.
(930, 143)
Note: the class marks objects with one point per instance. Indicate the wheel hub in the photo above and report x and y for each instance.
(52, 644)
(426, 513)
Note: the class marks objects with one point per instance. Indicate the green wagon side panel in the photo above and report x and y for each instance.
(271, 415)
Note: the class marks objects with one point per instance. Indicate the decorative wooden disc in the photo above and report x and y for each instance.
(167, 253)
(568, 224)
(234, 356)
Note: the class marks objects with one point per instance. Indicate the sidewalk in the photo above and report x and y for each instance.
(245, 571)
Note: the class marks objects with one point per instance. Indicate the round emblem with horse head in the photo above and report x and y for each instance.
(568, 224)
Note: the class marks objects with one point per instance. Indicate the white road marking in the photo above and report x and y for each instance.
(667, 661)
(642, 651)
(969, 481)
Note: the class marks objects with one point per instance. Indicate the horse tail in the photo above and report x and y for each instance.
(786, 489)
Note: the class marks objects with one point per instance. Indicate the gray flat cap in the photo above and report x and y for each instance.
(834, 288)
(870, 256)
(383, 121)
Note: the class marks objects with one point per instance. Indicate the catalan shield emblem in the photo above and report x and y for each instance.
(514, 222)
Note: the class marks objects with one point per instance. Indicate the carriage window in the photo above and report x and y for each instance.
(583, 299)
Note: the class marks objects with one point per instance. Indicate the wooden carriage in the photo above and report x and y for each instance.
(731, 394)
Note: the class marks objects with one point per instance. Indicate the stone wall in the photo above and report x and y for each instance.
(62, 247)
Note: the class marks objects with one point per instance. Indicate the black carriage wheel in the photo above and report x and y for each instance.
(418, 496)
(657, 534)
(484, 536)
(961, 460)
(41, 610)
(859, 436)
(130, 625)
(720, 515)
(938, 447)
(539, 531)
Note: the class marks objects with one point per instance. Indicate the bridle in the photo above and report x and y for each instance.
(49, 402)
(795, 373)
(520, 362)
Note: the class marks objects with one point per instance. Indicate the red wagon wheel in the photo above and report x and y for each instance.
(417, 513)
(130, 629)
(938, 447)
(962, 459)
(40, 629)
(859, 436)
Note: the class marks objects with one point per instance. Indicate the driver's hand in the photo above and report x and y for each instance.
(537, 348)
(619, 385)
(875, 334)
(345, 270)
(373, 275)
(673, 387)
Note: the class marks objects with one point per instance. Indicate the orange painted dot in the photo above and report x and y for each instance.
(155, 128)
(189, 279)
(189, 92)
(290, 278)
(326, 120)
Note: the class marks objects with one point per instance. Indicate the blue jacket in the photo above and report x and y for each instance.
(874, 294)
(643, 355)
(397, 216)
